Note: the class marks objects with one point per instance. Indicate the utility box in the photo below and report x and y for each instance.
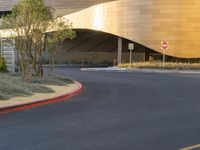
(8, 52)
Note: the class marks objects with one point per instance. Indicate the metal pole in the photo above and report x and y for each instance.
(130, 57)
(163, 58)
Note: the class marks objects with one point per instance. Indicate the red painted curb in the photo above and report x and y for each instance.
(42, 102)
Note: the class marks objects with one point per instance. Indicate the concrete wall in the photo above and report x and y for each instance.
(98, 48)
(95, 57)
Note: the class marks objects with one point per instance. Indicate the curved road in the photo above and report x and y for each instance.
(116, 111)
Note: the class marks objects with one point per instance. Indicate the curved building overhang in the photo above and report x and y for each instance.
(147, 22)
(62, 7)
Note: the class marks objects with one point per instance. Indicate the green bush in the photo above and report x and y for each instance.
(3, 67)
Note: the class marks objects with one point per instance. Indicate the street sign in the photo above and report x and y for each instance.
(131, 46)
(164, 45)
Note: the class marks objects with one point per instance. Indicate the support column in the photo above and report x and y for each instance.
(119, 52)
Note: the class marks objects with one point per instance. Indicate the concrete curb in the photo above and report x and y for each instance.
(117, 69)
(14, 108)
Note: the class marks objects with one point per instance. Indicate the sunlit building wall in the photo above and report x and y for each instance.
(147, 22)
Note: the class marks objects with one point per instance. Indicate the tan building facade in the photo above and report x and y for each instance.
(147, 22)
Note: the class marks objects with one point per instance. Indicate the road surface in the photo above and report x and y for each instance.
(116, 111)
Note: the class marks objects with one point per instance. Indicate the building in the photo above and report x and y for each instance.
(144, 22)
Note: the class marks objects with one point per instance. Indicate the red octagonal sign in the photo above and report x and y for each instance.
(164, 45)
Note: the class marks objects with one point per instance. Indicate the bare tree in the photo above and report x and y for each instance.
(30, 20)
(55, 39)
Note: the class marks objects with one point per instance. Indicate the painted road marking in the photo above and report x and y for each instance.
(191, 147)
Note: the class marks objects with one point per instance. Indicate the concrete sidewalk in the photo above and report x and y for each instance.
(37, 99)
(118, 69)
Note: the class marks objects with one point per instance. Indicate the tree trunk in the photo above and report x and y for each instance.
(26, 73)
(24, 61)
(51, 62)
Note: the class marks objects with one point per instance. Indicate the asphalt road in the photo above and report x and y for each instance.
(116, 111)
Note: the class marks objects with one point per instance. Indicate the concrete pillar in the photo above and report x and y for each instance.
(119, 51)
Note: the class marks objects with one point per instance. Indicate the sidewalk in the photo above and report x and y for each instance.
(61, 93)
(118, 69)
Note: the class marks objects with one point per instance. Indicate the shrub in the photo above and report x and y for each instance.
(159, 65)
(3, 67)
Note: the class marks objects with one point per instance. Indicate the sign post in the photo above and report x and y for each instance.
(131, 47)
(164, 46)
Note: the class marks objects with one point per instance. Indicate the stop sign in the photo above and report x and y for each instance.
(164, 45)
